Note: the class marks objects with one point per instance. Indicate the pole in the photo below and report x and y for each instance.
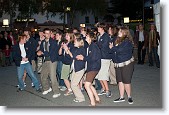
(143, 14)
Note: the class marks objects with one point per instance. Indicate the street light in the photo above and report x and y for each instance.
(5, 23)
(126, 20)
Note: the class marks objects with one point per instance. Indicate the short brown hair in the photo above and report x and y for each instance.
(101, 25)
(80, 39)
(21, 37)
(92, 36)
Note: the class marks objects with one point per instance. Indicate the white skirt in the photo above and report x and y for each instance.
(104, 70)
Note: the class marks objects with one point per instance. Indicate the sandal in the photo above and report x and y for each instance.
(98, 101)
(92, 105)
(68, 93)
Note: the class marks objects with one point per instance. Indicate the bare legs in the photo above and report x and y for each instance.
(124, 87)
(91, 93)
(104, 85)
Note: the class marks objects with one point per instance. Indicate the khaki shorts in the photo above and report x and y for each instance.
(104, 70)
(65, 71)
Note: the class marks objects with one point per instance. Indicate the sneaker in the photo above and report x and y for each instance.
(77, 101)
(69, 92)
(82, 89)
(108, 94)
(38, 90)
(24, 84)
(63, 88)
(102, 92)
(47, 91)
(40, 86)
(33, 85)
(119, 100)
(56, 95)
(17, 86)
(130, 101)
(19, 89)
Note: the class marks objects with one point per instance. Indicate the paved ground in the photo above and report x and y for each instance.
(146, 89)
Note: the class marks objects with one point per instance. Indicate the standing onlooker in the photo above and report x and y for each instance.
(67, 60)
(7, 53)
(153, 45)
(140, 41)
(93, 60)
(103, 44)
(78, 67)
(49, 49)
(22, 58)
(124, 63)
(2, 47)
(13, 41)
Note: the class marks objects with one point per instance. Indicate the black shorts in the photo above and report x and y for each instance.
(124, 74)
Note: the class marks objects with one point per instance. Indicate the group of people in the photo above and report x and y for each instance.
(78, 60)
(6, 43)
(147, 41)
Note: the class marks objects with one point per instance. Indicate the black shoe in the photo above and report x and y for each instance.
(39, 90)
(139, 63)
(142, 63)
(119, 100)
(19, 89)
(150, 65)
(130, 101)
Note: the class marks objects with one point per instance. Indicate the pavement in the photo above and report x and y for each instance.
(146, 91)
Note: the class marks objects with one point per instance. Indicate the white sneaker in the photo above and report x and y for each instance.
(56, 95)
(24, 84)
(63, 88)
(47, 91)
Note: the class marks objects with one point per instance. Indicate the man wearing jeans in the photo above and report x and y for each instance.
(49, 50)
(22, 57)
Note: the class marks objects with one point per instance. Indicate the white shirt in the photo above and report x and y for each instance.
(141, 36)
(23, 53)
(12, 40)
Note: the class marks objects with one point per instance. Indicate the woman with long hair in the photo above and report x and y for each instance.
(124, 63)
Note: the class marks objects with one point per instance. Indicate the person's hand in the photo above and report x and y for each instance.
(25, 59)
(65, 47)
(79, 57)
(39, 53)
(111, 45)
(143, 47)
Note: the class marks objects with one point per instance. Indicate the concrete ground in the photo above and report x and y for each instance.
(146, 91)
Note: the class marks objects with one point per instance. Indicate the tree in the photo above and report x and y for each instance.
(96, 7)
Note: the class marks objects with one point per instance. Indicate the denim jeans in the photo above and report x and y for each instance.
(99, 86)
(58, 72)
(29, 70)
(154, 51)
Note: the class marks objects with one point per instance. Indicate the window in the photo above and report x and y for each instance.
(96, 19)
(86, 19)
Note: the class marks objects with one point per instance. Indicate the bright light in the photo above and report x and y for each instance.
(5, 22)
(68, 9)
(82, 25)
(36, 30)
(126, 19)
